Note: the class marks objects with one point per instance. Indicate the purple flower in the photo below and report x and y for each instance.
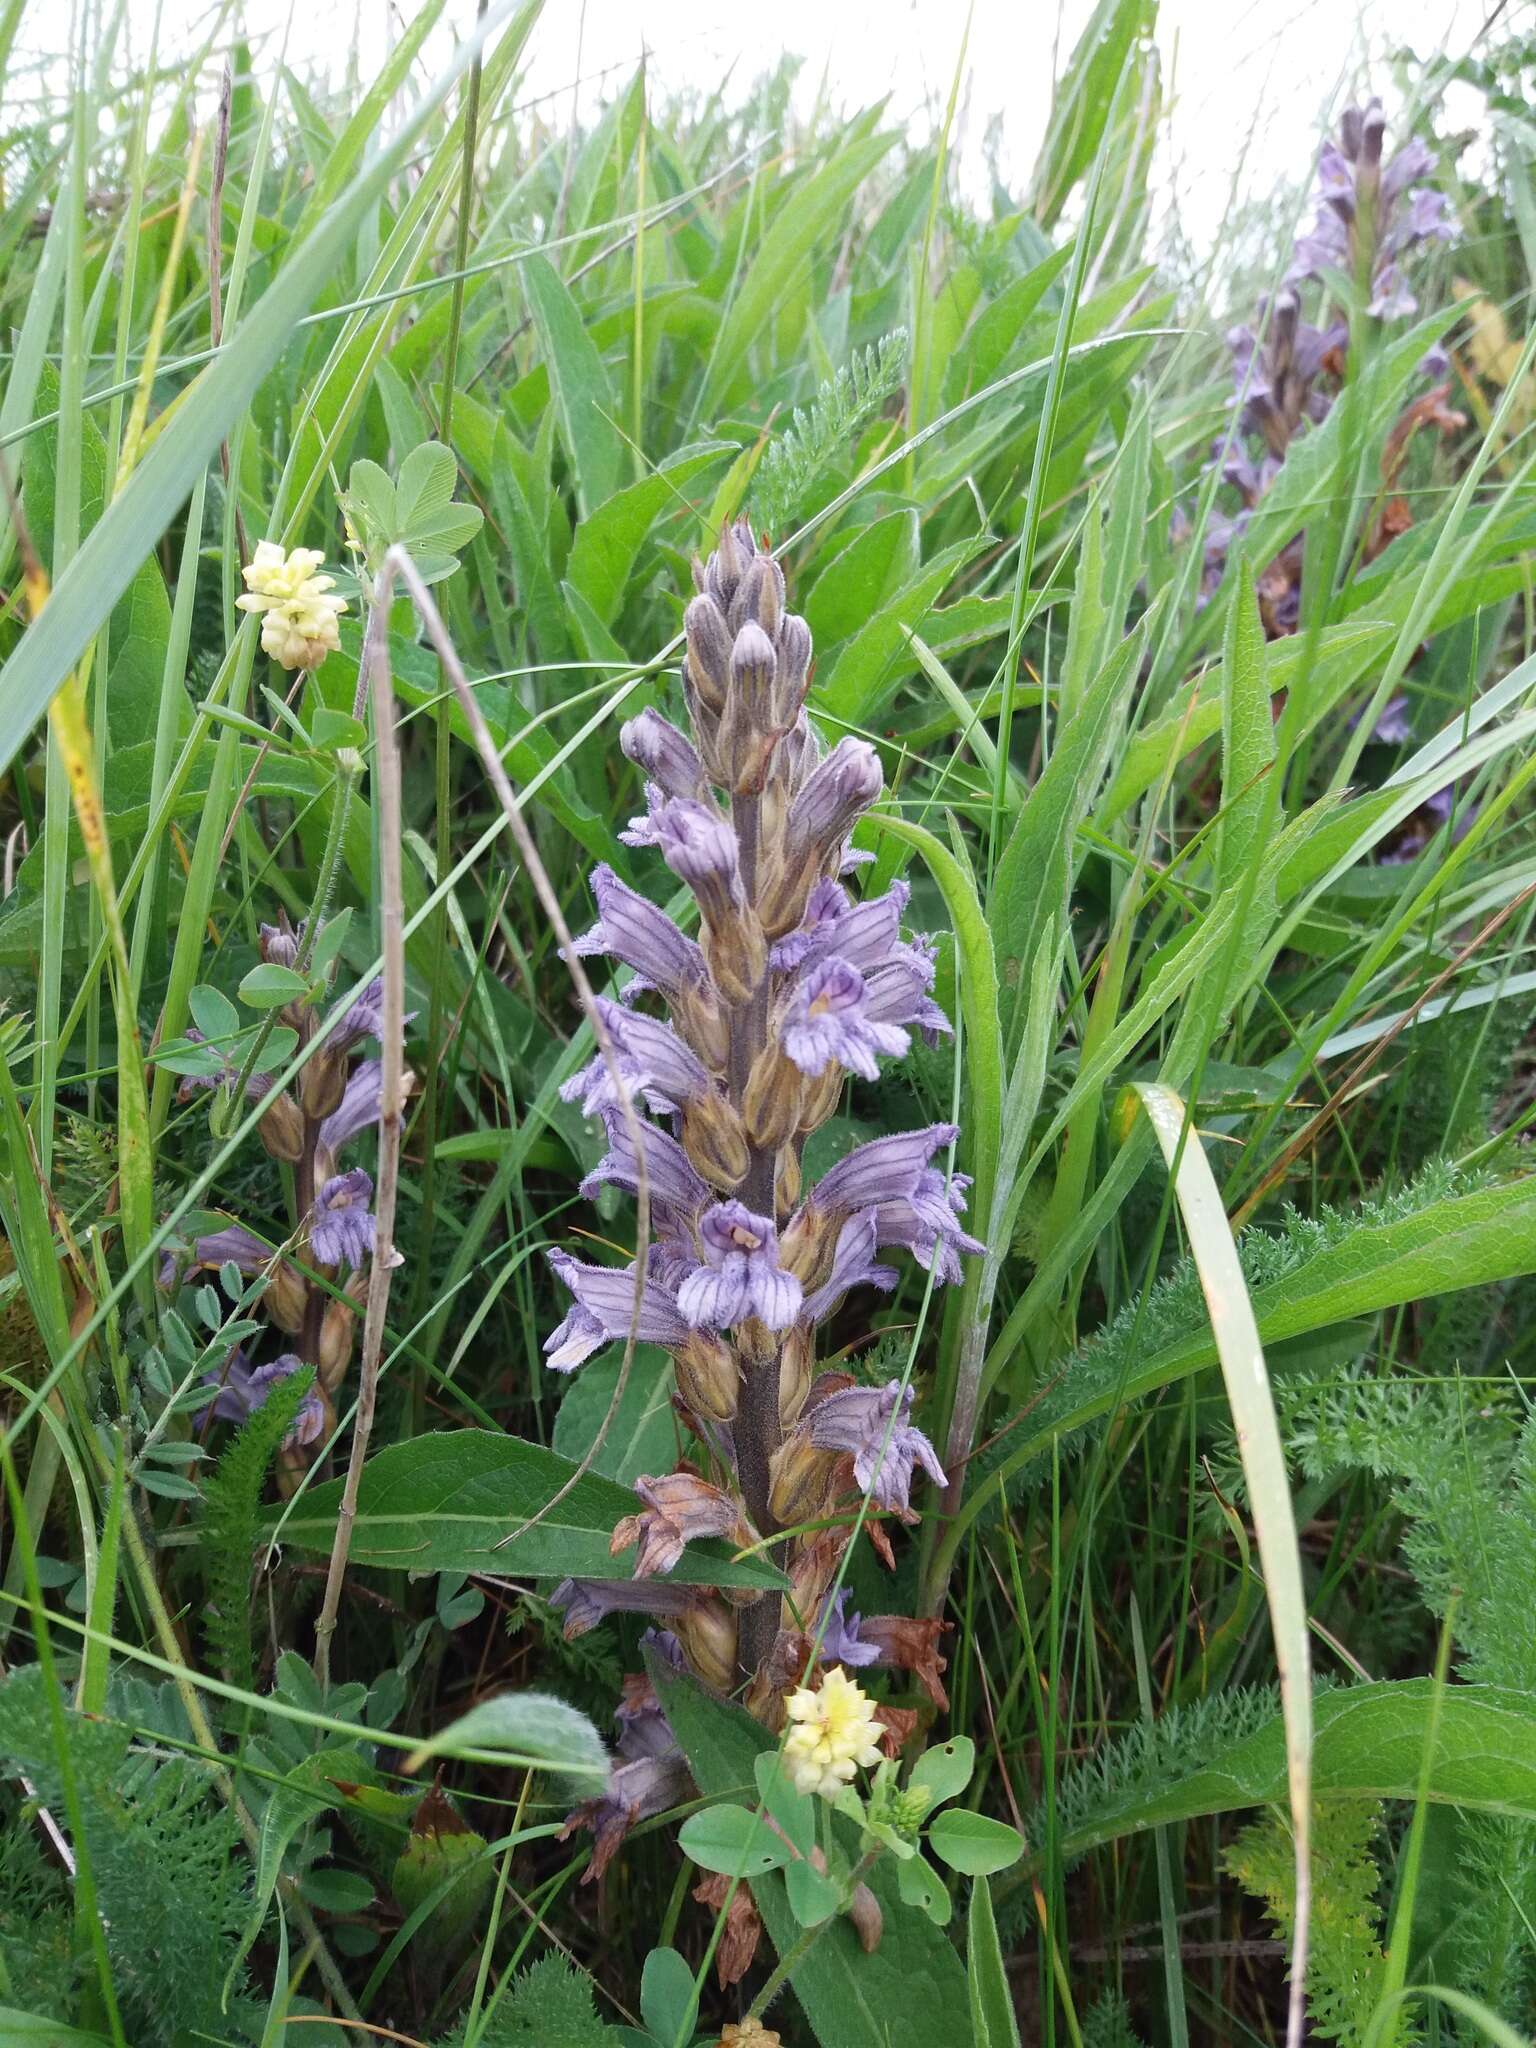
(840, 1639)
(871, 1424)
(586, 1602)
(1400, 214)
(667, 756)
(602, 1309)
(362, 1019)
(1393, 727)
(700, 848)
(280, 943)
(867, 934)
(652, 1061)
(834, 796)
(884, 1170)
(234, 1245)
(853, 1265)
(677, 1192)
(741, 1275)
(633, 930)
(927, 1223)
(242, 1389)
(359, 1110)
(827, 1021)
(341, 1224)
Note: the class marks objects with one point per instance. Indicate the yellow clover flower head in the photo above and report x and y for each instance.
(833, 1731)
(298, 624)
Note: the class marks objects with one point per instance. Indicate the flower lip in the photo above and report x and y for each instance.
(739, 1275)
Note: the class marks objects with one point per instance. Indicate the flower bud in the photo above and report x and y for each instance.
(282, 1127)
(708, 1377)
(714, 1139)
(786, 1182)
(700, 1022)
(794, 670)
(808, 1246)
(799, 1482)
(797, 1358)
(709, 652)
(324, 1082)
(772, 1102)
(868, 1920)
(338, 1327)
(285, 1297)
(821, 1098)
(707, 1633)
(759, 595)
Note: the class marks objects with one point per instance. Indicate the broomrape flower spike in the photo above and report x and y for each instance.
(737, 1045)
(298, 613)
(833, 1733)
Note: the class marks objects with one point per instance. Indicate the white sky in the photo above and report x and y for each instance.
(1251, 81)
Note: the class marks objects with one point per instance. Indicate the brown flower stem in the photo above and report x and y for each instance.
(758, 1431)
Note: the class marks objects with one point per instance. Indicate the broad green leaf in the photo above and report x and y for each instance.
(642, 1437)
(812, 1897)
(669, 2002)
(992, 2013)
(920, 1885)
(444, 1503)
(877, 657)
(268, 986)
(973, 1843)
(1369, 1744)
(582, 391)
(424, 487)
(945, 1770)
(878, 561)
(912, 1988)
(733, 1841)
(783, 257)
(532, 1730)
(606, 544)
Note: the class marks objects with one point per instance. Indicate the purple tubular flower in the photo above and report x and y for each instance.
(827, 1021)
(632, 929)
(1393, 727)
(700, 848)
(884, 1170)
(866, 934)
(242, 1389)
(234, 1245)
(279, 944)
(652, 1060)
(840, 1639)
(667, 756)
(341, 1224)
(927, 1223)
(871, 1424)
(192, 1084)
(741, 1275)
(853, 1265)
(834, 795)
(677, 1192)
(604, 1302)
(586, 1602)
(360, 1108)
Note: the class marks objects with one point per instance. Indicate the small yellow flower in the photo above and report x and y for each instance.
(833, 1731)
(298, 626)
(748, 2033)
